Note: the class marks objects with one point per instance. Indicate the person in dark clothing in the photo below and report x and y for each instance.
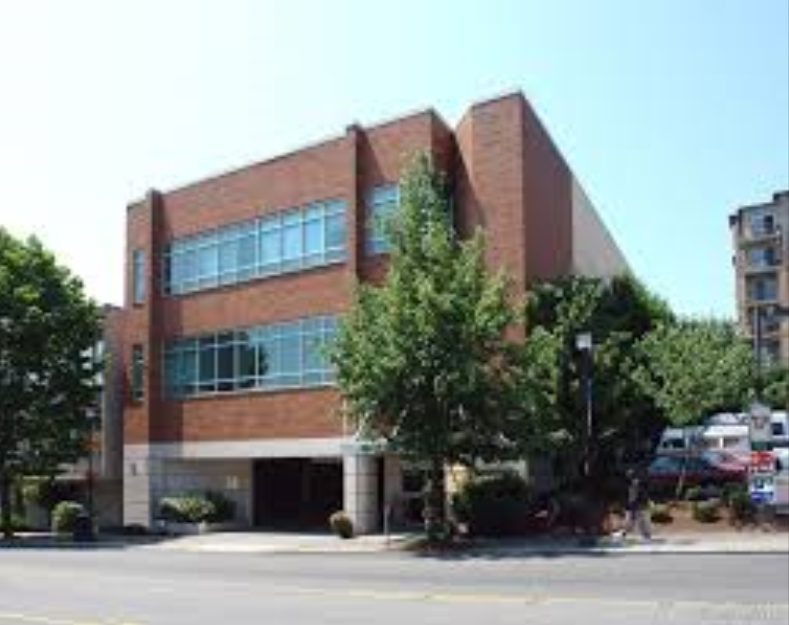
(637, 507)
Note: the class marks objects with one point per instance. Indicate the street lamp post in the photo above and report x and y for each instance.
(584, 344)
(93, 421)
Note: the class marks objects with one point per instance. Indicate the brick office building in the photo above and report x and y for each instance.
(235, 282)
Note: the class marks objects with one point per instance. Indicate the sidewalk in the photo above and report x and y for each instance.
(284, 543)
(324, 543)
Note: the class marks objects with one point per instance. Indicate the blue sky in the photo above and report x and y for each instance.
(671, 112)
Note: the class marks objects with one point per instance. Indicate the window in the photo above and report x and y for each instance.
(763, 288)
(292, 240)
(381, 204)
(762, 257)
(281, 355)
(761, 223)
(137, 372)
(138, 276)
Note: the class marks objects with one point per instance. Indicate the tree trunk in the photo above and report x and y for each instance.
(435, 508)
(5, 505)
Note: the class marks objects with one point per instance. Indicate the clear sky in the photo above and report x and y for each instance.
(671, 112)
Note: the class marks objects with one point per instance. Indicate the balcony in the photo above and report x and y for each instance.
(752, 234)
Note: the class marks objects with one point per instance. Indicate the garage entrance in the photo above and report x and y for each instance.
(296, 493)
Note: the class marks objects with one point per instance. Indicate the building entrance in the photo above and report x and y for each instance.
(296, 493)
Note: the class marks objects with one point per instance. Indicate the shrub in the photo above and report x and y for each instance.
(741, 505)
(134, 529)
(64, 516)
(341, 524)
(706, 511)
(496, 505)
(18, 523)
(224, 508)
(660, 513)
(45, 492)
(187, 509)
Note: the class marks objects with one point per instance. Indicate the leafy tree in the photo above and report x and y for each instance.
(696, 367)
(47, 367)
(419, 358)
(547, 388)
(775, 386)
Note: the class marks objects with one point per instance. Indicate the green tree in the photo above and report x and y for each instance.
(695, 367)
(47, 369)
(419, 358)
(547, 389)
(775, 386)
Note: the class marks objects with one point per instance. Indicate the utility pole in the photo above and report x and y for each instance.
(584, 344)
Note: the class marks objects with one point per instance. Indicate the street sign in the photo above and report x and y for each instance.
(762, 462)
(760, 429)
(762, 488)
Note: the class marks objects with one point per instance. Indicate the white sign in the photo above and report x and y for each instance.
(762, 488)
(760, 426)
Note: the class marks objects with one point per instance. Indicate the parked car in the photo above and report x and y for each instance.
(665, 471)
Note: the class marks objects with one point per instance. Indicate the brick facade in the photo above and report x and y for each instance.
(506, 176)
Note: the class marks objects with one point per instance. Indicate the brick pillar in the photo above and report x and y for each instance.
(355, 211)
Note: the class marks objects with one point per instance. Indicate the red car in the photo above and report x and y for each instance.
(698, 470)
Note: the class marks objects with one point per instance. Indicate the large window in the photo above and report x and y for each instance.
(138, 276)
(381, 204)
(280, 355)
(285, 241)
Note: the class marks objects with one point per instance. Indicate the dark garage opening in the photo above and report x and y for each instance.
(296, 493)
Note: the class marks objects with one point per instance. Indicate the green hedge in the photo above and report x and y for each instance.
(707, 511)
(496, 505)
(660, 513)
(64, 516)
(210, 507)
(341, 524)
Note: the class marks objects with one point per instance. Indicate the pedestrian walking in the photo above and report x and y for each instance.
(637, 507)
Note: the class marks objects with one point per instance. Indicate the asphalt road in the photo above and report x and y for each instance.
(148, 587)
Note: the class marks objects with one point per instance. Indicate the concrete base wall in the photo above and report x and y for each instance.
(149, 476)
(360, 491)
(147, 480)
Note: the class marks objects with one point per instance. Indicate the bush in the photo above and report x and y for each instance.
(740, 504)
(18, 523)
(706, 511)
(496, 505)
(186, 509)
(341, 524)
(694, 493)
(45, 492)
(224, 508)
(64, 516)
(660, 513)
(134, 529)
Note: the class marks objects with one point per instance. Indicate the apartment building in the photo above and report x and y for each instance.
(760, 235)
(235, 283)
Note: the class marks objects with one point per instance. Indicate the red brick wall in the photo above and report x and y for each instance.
(508, 179)
(346, 167)
(547, 202)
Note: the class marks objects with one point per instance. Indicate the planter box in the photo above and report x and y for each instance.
(192, 529)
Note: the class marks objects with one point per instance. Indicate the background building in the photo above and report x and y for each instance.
(760, 233)
(235, 283)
